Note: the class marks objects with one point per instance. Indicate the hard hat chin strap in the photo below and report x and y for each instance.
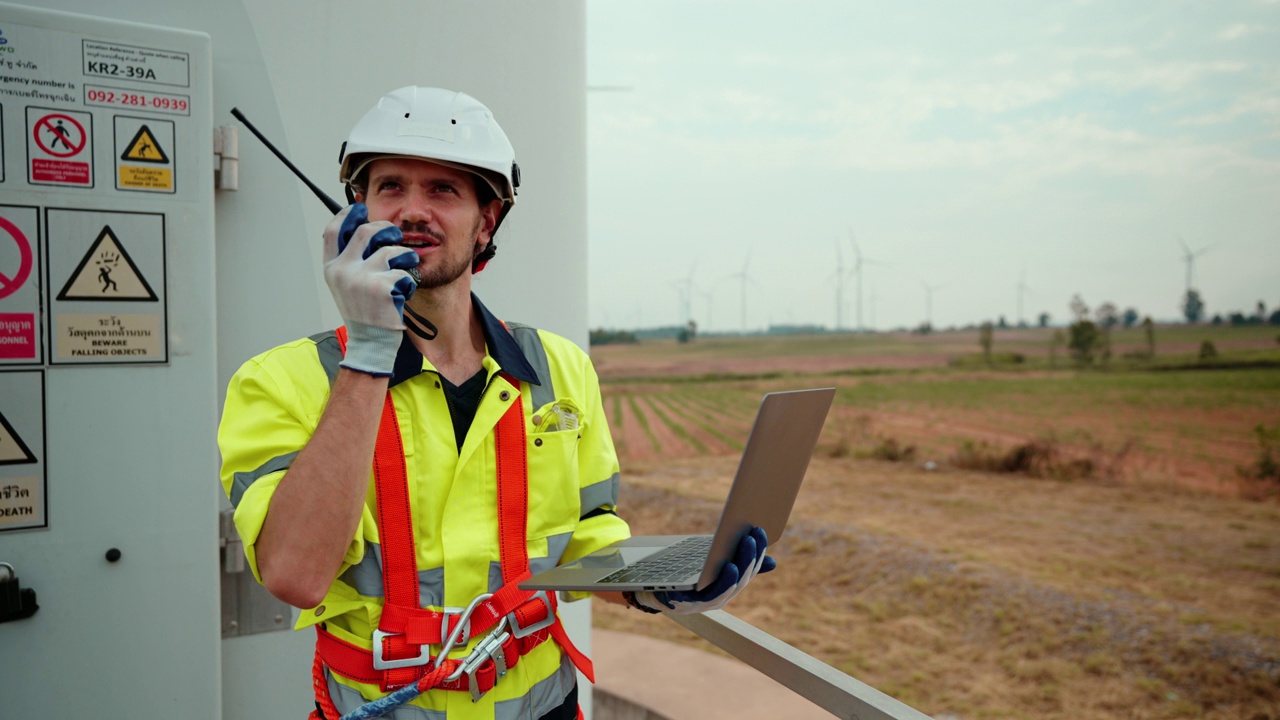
(419, 325)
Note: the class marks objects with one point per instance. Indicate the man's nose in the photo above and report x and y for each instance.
(416, 209)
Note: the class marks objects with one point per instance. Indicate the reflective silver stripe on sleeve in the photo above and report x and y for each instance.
(601, 494)
(365, 577)
(330, 353)
(242, 480)
(531, 344)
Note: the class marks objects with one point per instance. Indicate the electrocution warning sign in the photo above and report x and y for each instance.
(144, 154)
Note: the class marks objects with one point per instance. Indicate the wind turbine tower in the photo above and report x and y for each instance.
(928, 301)
(685, 290)
(1189, 258)
(743, 279)
(839, 288)
(858, 261)
(1022, 288)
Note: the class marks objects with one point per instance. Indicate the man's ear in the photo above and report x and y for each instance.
(489, 220)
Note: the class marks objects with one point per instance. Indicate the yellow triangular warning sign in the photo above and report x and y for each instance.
(145, 148)
(12, 450)
(107, 273)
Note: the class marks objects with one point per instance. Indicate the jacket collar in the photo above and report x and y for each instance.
(502, 347)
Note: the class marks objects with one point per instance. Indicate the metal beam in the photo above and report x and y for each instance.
(821, 684)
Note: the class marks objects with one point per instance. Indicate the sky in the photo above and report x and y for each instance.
(985, 157)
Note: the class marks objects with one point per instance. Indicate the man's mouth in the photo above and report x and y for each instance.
(418, 242)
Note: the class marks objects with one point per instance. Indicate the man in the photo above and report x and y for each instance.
(490, 451)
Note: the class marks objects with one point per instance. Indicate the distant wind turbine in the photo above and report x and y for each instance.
(685, 290)
(839, 288)
(858, 261)
(928, 301)
(743, 279)
(1022, 289)
(1189, 258)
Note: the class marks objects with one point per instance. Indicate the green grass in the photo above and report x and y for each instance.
(644, 423)
(696, 413)
(676, 427)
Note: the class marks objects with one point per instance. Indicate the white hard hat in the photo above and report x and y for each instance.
(443, 126)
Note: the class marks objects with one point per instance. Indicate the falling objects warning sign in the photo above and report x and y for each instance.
(144, 154)
(107, 272)
(59, 147)
(107, 291)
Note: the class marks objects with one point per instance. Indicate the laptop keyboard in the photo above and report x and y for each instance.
(686, 557)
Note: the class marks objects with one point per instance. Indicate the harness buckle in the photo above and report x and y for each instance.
(463, 629)
(546, 622)
(381, 663)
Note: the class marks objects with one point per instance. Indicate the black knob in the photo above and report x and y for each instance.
(113, 555)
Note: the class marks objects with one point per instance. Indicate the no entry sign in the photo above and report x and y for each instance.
(60, 147)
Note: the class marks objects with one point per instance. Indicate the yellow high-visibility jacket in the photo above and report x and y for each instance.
(273, 405)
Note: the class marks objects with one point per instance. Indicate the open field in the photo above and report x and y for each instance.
(1124, 575)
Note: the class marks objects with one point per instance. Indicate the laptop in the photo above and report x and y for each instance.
(764, 489)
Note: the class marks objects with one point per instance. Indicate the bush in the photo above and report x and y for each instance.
(1262, 478)
(1037, 458)
(1207, 350)
(608, 337)
(1084, 339)
(889, 449)
(1265, 466)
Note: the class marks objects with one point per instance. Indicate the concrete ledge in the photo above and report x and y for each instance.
(645, 679)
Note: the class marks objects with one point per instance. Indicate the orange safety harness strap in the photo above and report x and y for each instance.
(405, 627)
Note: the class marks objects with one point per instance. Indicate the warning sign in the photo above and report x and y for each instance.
(18, 336)
(107, 273)
(13, 239)
(22, 451)
(144, 148)
(19, 285)
(143, 154)
(12, 450)
(115, 338)
(60, 147)
(107, 291)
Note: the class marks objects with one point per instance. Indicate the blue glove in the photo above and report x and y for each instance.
(748, 561)
(366, 269)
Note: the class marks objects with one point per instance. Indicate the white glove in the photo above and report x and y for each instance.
(366, 270)
(748, 561)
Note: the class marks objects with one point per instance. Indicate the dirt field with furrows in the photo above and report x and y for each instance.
(1126, 565)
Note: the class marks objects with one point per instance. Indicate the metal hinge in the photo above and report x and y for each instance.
(226, 157)
(229, 541)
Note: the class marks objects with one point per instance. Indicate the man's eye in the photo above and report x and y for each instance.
(387, 185)
(446, 189)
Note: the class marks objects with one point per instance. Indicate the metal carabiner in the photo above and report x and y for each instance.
(464, 622)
